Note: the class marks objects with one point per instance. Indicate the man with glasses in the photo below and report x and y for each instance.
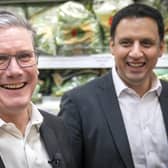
(29, 137)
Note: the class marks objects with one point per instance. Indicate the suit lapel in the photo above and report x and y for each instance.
(1, 163)
(49, 139)
(111, 109)
(163, 99)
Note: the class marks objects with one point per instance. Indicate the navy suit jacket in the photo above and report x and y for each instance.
(54, 136)
(95, 125)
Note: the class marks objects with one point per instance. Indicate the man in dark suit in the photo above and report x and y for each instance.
(120, 120)
(29, 137)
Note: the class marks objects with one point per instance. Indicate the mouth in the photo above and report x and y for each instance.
(13, 86)
(136, 64)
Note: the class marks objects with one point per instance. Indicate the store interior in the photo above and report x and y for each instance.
(72, 42)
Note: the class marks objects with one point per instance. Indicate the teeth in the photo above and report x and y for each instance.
(136, 64)
(13, 86)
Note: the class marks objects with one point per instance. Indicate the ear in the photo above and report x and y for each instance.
(111, 45)
(162, 48)
(38, 72)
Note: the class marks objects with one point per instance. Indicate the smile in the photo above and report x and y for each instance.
(136, 65)
(13, 86)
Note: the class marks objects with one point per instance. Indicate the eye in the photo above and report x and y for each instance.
(3, 58)
(125, 43)
(147, 43)
(26, 56)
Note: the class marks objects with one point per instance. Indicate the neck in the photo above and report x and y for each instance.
(20, 119)
(142, 87)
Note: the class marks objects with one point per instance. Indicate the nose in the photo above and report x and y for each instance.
(13, 67)
(136, 50)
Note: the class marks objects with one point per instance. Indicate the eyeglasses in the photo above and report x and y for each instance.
(24, 59)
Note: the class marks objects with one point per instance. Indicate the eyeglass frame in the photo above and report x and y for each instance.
(34, 53)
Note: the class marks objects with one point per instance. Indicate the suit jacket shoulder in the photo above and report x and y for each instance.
(58, 144)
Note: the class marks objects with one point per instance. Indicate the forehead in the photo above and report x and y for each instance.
(15, 38)
(137, 27)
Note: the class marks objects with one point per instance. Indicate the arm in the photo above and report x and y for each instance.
(70, 114)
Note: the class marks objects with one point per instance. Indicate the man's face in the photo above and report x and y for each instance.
(136, 48)
(16, 83)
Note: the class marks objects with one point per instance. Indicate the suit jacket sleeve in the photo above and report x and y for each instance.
(70, 115)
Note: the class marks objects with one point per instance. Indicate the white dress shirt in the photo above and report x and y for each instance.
(144, 124)
(18, 151)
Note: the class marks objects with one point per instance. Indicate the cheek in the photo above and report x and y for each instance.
(120, 56)
(120, 51)
(153, 55)
(34, 76)
(120, 64)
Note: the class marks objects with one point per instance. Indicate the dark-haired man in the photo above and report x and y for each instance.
(120, 120)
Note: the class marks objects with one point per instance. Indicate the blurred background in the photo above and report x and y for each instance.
(73, 42)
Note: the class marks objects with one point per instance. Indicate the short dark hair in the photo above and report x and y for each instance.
(139, 11)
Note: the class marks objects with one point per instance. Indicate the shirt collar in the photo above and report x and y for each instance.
(120, 86)
(36, 118)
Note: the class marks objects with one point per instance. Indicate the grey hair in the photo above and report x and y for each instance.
(9, 19)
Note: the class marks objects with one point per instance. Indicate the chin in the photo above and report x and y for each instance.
(19, 102)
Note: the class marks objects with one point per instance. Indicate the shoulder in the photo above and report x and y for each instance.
(164, 92)
(164, 83)
(57, 126)
(164, 86)
(51, 120)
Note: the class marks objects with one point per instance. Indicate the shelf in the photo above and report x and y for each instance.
(163, 62)
(81, 62)
(30, 1)
(76, 62)
(50, 104)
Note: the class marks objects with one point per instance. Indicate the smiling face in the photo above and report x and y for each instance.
(136, 48)
(16, 83)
